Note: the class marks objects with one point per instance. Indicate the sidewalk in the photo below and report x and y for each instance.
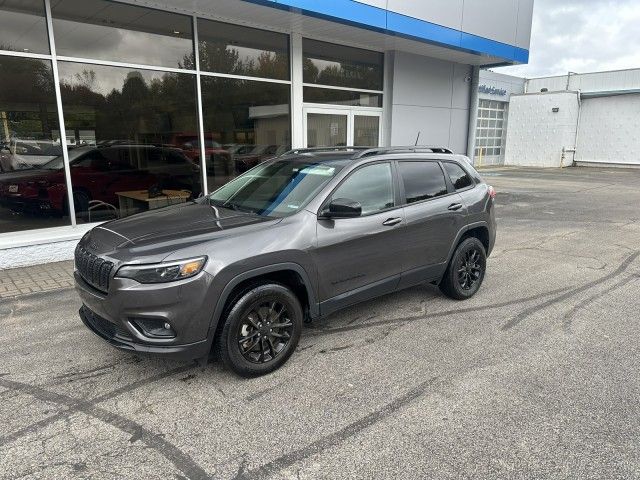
(38, 278)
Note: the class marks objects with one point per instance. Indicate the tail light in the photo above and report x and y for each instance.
(492, 192)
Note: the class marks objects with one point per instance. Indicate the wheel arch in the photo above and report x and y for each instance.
(479, 230)
(291, 275)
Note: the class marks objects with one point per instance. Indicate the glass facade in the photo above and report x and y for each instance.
(237, 50)
(137, 136)
(347, 70)
(245, 123)
(31, 196)
(105, 30)
(350, 98)
(130, 132)
(23, 26)
(340, 66)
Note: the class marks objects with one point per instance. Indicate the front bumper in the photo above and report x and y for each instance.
(182, 304)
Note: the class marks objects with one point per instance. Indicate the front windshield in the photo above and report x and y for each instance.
(58, 162)
(275, 189)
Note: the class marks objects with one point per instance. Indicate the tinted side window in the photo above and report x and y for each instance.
(458, 176)
(422, 180)
(372, 186)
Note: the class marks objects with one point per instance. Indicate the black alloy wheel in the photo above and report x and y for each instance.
(265, 332)
(261, 329)
(466, 270)
(469, 269)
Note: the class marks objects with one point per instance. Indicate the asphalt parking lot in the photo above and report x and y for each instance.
(538, 376)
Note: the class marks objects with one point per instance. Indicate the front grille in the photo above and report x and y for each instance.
(103, 326)
(94, 270)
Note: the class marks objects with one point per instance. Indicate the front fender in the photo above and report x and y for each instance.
(230, 285)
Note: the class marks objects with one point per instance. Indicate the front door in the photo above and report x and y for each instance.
(339, 127)
(356, 257)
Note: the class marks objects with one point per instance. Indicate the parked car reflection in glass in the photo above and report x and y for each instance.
(20, 154)
(257, 155)
(99, 175)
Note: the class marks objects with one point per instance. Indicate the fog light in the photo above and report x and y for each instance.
(154, 328)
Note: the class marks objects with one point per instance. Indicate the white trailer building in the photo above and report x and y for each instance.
(576, 119)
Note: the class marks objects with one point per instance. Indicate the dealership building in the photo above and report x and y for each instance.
(108, 108)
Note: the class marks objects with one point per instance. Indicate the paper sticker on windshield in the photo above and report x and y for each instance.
(319, 170)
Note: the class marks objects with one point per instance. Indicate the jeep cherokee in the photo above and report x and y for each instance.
(295, 238)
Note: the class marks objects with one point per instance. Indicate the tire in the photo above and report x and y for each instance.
(81, 201)
(248, 343)
(466, 270)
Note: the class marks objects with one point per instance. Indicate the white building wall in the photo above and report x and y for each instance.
(609, 130)
(536, 135)
(430, 97)
(37, 254)
(589, 82)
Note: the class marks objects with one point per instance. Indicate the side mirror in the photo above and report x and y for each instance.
(342, 208)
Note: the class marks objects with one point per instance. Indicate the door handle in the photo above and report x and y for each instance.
(392, 221)
(455, 206)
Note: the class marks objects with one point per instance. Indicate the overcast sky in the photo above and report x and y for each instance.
(582, 36)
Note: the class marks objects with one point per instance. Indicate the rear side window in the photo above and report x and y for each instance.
(458, 176)
(422, 180)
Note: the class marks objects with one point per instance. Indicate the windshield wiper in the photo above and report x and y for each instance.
(231, 206)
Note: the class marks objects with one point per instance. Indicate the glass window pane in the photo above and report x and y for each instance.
(245, 123)
(105, 30)
(370, 186)
(32, 179)
(337, 65)
(238, 50)
(23, 27)
(341, 97)
(326, 130)
(129, 129)
(458, 176)
(366, 130)
(422, 180)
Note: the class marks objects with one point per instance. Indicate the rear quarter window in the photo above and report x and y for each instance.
(459, 177)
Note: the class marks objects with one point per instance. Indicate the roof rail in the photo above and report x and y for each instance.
(323, 149)
(412, 149)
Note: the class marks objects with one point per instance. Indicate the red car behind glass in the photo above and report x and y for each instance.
(97, 173)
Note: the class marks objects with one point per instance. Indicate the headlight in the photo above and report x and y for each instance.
(163, 272)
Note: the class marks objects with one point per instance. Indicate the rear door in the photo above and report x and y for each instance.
(357, 258)
(434, 214)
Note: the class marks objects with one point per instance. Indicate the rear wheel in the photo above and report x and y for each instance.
(261, 330)
(466, 270)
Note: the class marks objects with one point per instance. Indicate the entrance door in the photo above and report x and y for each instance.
(339, 127)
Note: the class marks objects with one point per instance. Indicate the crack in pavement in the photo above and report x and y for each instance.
(177, 457)
(574, 291)
(289, 459)
(11, 437)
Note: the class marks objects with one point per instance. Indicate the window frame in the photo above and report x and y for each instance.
(394, 185)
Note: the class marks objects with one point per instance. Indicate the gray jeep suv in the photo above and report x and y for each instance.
(293, 239)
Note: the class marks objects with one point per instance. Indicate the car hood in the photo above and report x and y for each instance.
(24, 175)
(163, 231)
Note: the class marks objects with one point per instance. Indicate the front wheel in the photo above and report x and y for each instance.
(466, 270)
(261, 330)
